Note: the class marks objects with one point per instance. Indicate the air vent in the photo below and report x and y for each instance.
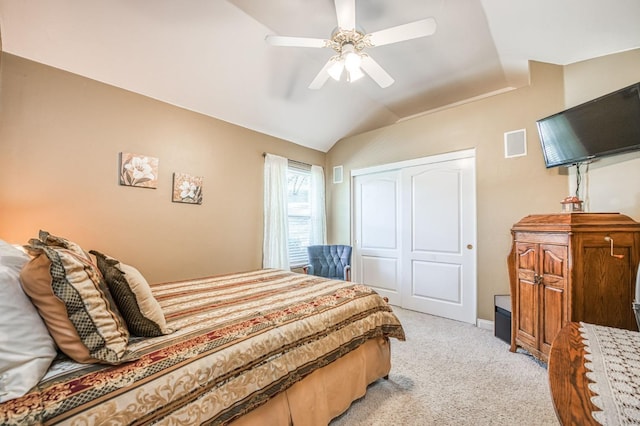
(337, 174)
(515, 143)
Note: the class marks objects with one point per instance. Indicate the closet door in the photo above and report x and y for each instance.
(438, 252)
(414, 233)
(376, 249)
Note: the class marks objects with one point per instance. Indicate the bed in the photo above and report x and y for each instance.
(259, 347)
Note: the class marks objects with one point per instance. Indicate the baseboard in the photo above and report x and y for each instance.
(484, 324)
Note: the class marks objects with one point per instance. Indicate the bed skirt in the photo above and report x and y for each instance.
(328, 392)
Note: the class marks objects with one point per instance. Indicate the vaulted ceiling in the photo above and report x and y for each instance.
(210, 56)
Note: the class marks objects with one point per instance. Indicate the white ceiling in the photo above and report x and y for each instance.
(209, 56)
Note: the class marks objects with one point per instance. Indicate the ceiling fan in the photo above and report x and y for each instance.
(349, 44)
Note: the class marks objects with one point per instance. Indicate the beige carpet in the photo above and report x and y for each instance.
(452, 373)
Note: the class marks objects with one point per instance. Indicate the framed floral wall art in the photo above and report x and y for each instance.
(187, 188)
(138, 170)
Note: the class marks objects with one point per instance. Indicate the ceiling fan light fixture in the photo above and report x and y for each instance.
(354, 74)
(335, 70)
(352, 59)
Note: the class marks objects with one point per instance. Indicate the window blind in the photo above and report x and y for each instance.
(299, 212)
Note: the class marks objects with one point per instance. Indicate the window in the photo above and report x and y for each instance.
(298, 212)
(294, 212)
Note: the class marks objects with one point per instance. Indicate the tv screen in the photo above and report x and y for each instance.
(604, 126)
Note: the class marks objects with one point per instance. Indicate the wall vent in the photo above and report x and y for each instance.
(515, 143)
(337, 174)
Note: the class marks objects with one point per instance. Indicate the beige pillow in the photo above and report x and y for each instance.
(72, 298)
(132, 294)
(26, 348)
(54, 241)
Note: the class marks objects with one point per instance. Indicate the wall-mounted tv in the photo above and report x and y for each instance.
(604, 126)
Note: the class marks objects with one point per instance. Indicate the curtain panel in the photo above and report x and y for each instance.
(317, 200)
(275, 252)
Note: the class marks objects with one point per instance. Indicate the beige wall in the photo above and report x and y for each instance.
(612, 182)
(507, 189)
(60, 135)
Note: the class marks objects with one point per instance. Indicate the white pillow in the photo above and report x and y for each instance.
(26, 347)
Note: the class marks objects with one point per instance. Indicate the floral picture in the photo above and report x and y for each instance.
(138, 170)
(187, 188)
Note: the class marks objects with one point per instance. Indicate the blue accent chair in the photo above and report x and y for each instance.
(329, 261)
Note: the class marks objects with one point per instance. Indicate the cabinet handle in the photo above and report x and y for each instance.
(617, 256)
(537, 279)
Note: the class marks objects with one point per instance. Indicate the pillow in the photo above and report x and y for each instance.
(52, 240)
(72, 298)
(132, 294)
(26, 348)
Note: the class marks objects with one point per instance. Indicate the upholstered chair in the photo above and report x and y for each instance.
(329, 261)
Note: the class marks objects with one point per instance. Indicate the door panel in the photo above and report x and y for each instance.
(553, 312)
(438, 248)
(435, 216)
(378, 198)
(608, 299)
(431, 281)
(526, 256)
(554, 266)
(553, 270)
(376, 248)
(527, 312)
(380, 272)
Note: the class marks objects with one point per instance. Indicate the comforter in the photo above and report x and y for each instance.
(239, 340)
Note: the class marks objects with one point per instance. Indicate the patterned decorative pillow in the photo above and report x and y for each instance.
(75, 303)
(52, 240)
(132, 294)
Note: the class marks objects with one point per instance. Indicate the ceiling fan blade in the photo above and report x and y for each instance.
(422, 28)
(376, 72)
(346, 11)
(285, 41)
(322, 76)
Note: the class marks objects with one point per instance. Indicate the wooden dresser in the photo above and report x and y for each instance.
(562, 269)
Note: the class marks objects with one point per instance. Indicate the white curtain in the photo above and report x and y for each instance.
(275, 250)
(318, 215)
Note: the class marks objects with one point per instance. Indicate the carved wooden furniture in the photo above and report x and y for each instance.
(567, 378)
(571, 267)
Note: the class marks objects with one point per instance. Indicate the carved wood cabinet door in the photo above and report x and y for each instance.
(541, 284)
(553, 300)
(526, 313)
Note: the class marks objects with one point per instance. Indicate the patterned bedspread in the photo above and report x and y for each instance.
(239, 340)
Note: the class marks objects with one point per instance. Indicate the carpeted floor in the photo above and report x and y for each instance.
(452, 373)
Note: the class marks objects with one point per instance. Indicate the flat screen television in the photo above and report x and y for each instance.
(604, 126)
